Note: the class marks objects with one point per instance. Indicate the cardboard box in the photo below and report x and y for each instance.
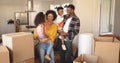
(108, 52)
(104, 39)
(31, 60)
(119, 49)
(87, 58)
(20, 44)
(4, 55)
(116, 40)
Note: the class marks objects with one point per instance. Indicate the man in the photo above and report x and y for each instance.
(70, 30)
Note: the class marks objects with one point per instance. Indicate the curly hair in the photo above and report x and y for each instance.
(40, 18)
(51, 12)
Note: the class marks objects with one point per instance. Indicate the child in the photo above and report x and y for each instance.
(41, 31)
(59, 21)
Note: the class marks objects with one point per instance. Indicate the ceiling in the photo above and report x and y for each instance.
(21, 2)
(7, 2)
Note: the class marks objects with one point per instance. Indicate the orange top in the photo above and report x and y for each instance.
(61, 24)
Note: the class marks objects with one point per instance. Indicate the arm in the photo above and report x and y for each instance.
(35, 35)
(44, 30)
(77, 27)
(43, 39)
(62, 33)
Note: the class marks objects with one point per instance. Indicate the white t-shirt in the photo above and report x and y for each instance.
(66, 26)
(59, 19)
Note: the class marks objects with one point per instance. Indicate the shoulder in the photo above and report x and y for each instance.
(65, 16)
(75, 18)
(39, 26)
(54, 25)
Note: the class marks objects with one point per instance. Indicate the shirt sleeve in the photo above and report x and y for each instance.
(77, 27)
(35, 35)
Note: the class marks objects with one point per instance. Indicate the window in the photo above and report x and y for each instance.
(21, 18)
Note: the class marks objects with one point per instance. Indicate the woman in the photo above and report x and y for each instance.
(51, 31)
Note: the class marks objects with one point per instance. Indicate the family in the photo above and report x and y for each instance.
(51, 25)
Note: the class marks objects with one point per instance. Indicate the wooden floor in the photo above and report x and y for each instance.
(57, 58)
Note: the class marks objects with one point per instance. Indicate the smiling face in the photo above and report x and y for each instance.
(70, 11)
(60, 12)
(50, 17)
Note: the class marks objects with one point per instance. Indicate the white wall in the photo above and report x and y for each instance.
(7, 11)
(87, 11)
(62, 1)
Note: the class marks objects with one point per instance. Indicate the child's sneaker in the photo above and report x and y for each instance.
(63, 47)
(47, 57)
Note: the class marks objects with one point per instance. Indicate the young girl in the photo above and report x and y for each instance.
(41, 31)
(59, 21)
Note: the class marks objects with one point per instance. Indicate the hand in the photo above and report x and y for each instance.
(60, 31)
(63, 33)
(44, 39)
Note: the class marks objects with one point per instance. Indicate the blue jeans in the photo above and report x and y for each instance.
(49, 45)
(47, 48)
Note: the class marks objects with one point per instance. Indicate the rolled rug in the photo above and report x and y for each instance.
(86, 44)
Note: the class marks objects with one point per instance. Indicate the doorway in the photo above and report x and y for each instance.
(106, 17)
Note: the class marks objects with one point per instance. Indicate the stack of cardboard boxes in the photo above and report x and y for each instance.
(21, 47)
(106, 51)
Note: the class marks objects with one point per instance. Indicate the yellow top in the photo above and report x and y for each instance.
(51, 32)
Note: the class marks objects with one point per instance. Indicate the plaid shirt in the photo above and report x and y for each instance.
(74, 27)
